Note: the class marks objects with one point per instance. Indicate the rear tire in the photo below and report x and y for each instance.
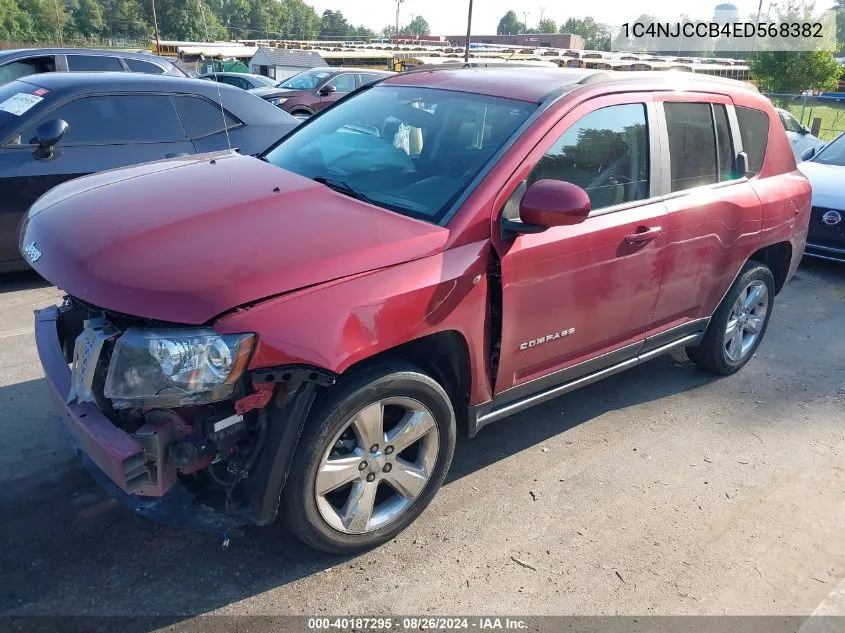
(739, 323)
(356, 481)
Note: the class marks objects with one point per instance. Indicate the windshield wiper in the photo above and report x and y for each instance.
(342, 187)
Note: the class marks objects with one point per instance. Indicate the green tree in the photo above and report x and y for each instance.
(333, 25)
(596, 35)
(127, 18)
(49, 19)
(262, 18)
(363, 32)
(418, 26)
(190, 20)
(794, 71)
(88, 21)
(234, 15)
(510, 25)
(547, 25)
(15, 24)
(299, 20)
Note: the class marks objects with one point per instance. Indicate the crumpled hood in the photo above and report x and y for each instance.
(187, 239)
(827, 182)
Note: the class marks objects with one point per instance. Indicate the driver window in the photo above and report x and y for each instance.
(605, 152)
(344, 83)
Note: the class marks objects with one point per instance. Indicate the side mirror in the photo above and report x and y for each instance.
(805, 130)
(326, 90)
(808, 153)
(549, 203)
(48, 135)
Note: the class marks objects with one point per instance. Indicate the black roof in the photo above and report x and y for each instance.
(235, 100)
(14, 53)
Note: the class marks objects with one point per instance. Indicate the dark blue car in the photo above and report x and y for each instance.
(58, 126)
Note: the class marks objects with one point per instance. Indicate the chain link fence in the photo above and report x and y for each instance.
(825, 116)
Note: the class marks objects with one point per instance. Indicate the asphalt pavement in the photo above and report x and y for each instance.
(662, 490)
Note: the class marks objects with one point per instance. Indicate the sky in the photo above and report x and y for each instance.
(449, 17)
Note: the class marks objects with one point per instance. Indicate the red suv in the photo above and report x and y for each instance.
(306, 332)
(313, 90)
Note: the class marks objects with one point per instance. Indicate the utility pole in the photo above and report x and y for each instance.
(525, 27)
(469, 30)
(542, 11)
(155, 26)
(754, 42)
(59, 24)
(398, 2)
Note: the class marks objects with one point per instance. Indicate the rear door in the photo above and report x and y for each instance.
(576, 299)
(104, 132)
(714, 214)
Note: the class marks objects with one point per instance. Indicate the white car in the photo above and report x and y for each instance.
(799, 135)
(826, 171)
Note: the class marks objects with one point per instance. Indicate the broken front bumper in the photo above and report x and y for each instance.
(116, 460)
(134, 467)
(111, 449)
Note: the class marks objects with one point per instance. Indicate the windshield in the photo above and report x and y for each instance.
(18, 101)
(308, 80)
(834, 153)
(410, 150)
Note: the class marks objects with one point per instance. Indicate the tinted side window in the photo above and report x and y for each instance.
(201, 118)
(754, 132)
(23, 67)
(365, 78)
(93, 63)
(140, 66)
(692, 145)
(724, 143)
(116, 119)
(344, 83)
(789, 123)
(605, 153)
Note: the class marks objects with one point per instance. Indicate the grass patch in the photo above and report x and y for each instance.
(831, 113)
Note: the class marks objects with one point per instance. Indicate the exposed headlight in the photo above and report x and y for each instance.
(277, 101)
(175, 367)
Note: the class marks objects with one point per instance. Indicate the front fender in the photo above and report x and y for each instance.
(335, 325)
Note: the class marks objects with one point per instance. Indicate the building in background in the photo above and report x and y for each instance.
(280, 63)
(724, 13)
(534, 40)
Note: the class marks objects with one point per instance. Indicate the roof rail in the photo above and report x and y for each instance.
(616, 76)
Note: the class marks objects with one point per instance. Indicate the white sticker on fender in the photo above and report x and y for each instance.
(20, 103)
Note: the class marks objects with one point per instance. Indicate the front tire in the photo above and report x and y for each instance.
(372, 455)
(739, 323)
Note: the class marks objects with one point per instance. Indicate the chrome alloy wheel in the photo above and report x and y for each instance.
(377, 465)
(746, 321)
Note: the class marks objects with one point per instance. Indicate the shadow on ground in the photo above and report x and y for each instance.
(89, 555)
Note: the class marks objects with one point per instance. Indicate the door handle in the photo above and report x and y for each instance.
(643, 234)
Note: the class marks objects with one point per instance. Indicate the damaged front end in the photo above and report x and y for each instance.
(169, 419)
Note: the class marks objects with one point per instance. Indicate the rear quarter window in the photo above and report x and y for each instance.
(754, 132)
(202, 118)
(140, 66)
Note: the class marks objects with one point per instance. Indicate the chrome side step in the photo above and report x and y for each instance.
(479, 419)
